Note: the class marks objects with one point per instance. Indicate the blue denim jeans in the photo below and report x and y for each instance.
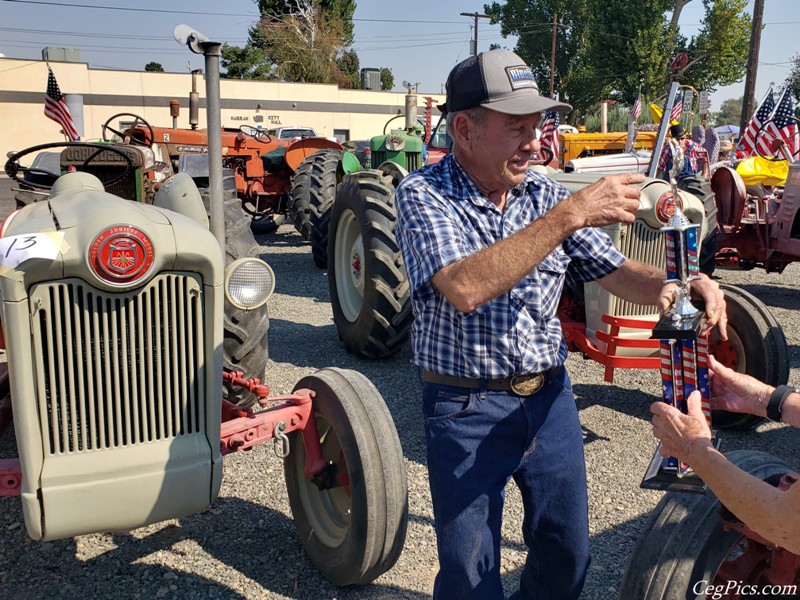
(478, 440)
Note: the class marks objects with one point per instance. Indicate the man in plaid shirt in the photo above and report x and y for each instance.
(695, 156)
(488, 246)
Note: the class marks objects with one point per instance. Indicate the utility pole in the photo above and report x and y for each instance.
(553, 57)
(748, 101)
(476, 16)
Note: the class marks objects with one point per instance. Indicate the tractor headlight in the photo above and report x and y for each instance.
(249, 282)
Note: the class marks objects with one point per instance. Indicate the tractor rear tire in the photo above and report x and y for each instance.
(701, 187)
(354, 531)
(368, 284)
(685, 543)
(322, 167)
(300, 197)
(756, 345)
(245, 341)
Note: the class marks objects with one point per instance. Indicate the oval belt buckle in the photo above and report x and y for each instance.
(527, 385)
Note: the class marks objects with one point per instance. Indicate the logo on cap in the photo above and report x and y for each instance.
(521, 77)
(121, 254)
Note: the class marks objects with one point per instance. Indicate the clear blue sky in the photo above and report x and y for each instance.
(420, 40)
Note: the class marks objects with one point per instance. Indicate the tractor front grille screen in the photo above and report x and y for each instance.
(114, 370)
(411, 161)
(645, 244)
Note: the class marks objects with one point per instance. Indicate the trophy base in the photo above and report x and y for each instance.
(683, 329)
(667, 480)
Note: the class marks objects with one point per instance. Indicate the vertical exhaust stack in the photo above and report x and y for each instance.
(194, 101)
(411, 106)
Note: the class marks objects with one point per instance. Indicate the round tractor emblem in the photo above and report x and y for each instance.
(665, 207)
(121, 254)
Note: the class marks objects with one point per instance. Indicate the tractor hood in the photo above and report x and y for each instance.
(67, 236)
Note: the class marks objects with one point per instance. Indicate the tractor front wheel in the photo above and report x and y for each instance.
(686, 547)
(354, 526)
(369, 288)
(756, 345)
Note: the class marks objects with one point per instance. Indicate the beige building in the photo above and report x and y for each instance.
(95, 95)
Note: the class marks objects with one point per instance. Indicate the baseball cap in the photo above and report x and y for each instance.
(498, 80)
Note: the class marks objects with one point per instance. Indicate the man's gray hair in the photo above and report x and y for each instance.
(477, 114)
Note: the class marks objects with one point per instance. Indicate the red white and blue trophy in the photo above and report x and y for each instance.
(684, 352)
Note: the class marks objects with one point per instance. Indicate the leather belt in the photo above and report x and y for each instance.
(522, 385)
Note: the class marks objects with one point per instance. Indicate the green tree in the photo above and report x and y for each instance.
(532, 21)
(718, 53)
(350, 69)
(298, 40)
(613, 48)
(730, 111)
(794, 78)
(249, 62)
(154, 67)
(387, 79)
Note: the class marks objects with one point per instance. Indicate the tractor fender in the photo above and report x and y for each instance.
(300, 149)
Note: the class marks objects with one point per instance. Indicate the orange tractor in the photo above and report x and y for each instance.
(269, 173)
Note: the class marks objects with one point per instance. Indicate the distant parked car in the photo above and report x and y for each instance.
(362, 151)
(288, 133)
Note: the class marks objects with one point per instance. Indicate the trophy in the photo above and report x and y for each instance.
(683, 351)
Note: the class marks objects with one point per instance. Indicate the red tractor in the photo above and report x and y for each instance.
(759, 225)
(269, 173)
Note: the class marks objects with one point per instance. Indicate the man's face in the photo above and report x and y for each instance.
(498, 150)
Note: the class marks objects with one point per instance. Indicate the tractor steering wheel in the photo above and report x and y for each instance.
(776, 145)
(17, 172)
(130, 136)
(259, 135)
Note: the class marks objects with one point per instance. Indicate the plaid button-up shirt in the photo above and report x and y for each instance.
(443, 217)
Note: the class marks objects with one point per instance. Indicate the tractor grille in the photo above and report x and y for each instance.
(645, 244)
(411, 161)
(125, 188)
(115, 370)
(107, 165)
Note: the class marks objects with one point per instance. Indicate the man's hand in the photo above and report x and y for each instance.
(737, 392)
(709, 291)
(611, 199)
(681, 435)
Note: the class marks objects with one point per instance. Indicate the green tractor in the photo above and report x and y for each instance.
(394, 154)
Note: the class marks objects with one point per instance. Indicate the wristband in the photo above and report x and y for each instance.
(776, 400)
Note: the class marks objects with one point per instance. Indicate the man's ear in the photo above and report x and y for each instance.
(462, 127)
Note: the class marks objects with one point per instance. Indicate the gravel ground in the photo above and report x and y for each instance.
(245, 545)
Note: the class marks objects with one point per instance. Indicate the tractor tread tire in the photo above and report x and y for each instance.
(323, 166)
(384, 319)
(701, 188)
(245, 339)
(684, 542)
(766, 349)
(351, 540)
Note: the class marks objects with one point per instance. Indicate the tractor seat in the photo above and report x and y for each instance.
(730, 195)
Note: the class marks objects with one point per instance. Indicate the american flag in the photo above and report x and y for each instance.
(55, 107)
(636, 109)
(759, 117)
(549, 127)
(782, 125)
(677, 108)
